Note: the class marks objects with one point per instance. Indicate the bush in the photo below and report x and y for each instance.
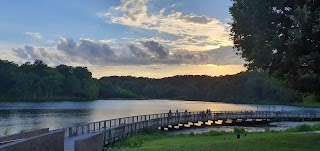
(309, 98)
(300, 128)
(316, 127)
(191, 134)
(268, 130)
(138, 139)
(239, 130)
(214, 133)
(5, 132)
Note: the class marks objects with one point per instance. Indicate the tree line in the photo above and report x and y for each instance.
(38, 81)
(245, 87)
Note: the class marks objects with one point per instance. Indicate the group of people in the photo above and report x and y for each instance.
(177, 112)
(202, 113)
(238, 135)
(205, 113)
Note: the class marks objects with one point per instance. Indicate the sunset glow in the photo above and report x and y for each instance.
(149, 38)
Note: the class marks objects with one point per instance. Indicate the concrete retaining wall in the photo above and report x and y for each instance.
(23, 135)
(93, 143)
(52, 141)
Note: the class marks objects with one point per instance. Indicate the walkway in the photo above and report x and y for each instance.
(116, 129)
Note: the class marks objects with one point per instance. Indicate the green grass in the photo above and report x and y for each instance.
(304, 128)
(290, 140)
(256, 141)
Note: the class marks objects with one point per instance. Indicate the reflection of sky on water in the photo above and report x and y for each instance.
(19, 116)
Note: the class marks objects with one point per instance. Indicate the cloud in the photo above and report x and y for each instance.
(196, 19)
(48, 55)
(208, 32)
(162, 11)
(138, 52)
(94, 52)
(99, 53)
(34, 35)
(134, 10)
(157, 49)
(219, 56)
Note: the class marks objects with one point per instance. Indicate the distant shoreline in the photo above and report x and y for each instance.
(42, 100)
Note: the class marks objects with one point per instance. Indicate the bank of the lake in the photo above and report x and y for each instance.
(294, 139)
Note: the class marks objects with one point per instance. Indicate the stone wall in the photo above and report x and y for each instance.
(23, 135)
(93, 143)
(51, 141)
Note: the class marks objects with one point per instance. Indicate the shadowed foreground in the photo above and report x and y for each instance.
(286, 141)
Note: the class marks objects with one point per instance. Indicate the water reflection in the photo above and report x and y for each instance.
(19, 115)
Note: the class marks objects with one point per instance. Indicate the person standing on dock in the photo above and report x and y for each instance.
(170, 113)
(209, 113)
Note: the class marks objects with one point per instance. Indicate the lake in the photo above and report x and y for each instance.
(20, 116)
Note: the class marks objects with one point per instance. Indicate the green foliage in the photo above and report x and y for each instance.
(304, 128)
(286, 141)
(38, 81)
(281, 37)
(240, 130)
(138, 139)
(191, 134)
(214, 133)
(309, 98)
(6, 131)
(245, 87)
(23, 130)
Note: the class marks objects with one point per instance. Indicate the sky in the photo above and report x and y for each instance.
(147, 38)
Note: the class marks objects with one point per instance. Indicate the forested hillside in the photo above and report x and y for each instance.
(38, 81)
(242, 87)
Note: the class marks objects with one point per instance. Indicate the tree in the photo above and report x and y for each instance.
(281, 37)
(53, 80)
(7, 73)
(73, 85)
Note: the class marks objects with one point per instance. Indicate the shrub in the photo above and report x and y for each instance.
(138, 139)
(191, 134)
(5, 132)
(316, 127)
(239, 130)
(300, 128)
(214, 133)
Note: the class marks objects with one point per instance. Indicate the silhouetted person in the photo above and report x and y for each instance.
(170, 112)
(238, 135)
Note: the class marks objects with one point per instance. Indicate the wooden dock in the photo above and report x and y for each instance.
(117, 129)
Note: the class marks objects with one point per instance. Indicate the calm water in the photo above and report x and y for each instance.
(19, 116)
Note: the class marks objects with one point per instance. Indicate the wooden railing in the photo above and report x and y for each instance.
(107, 124)
(133, 124)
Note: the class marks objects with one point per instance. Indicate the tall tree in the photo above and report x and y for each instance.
(281, 37)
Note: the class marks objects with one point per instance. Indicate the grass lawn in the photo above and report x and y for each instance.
(291, 140)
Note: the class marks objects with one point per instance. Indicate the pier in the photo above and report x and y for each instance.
(96, 135)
